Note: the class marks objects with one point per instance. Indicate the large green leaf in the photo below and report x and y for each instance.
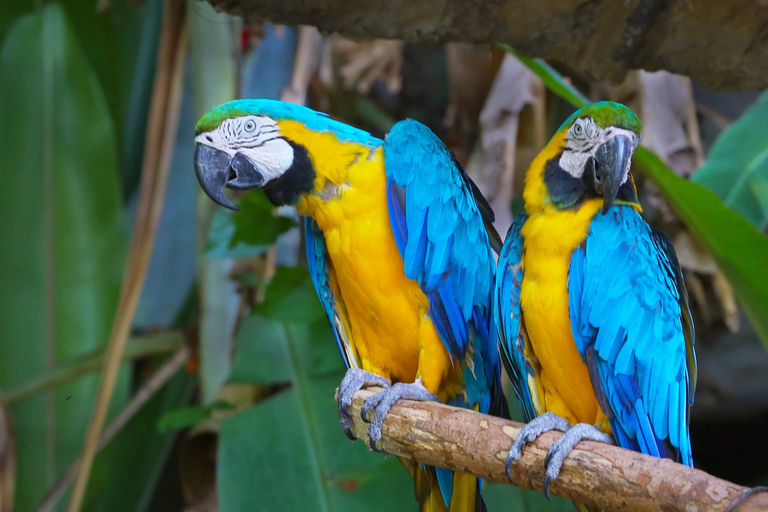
(741, 251)
(62, 243)
(292, 297)
(249, 231)
(736, 169)
(289, 453)
(129, 487)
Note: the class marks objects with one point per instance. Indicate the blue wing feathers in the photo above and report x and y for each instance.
(506, 316)
(628, 301)
(441, 226)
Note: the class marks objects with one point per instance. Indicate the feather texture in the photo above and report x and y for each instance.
(437, 217)
(628, 305)
(506, 315)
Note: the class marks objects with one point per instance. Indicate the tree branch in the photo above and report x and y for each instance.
(595, 474)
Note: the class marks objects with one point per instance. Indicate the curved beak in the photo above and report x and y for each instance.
(216, 169)
(611, 163)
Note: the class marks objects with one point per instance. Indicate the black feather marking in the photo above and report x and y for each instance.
(297, 180)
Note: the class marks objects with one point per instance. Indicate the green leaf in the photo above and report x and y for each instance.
(291, 297)
(63, 240)
(500, 497)
(256, 222)
(250, 231)
(736, 169)
(289, 453)
(130, 486)
(740, 250)
(184, 417)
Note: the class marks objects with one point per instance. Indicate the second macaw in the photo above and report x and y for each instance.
(593, 316)
(397, 243)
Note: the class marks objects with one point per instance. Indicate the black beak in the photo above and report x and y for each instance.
(611, 163)
(216, 169)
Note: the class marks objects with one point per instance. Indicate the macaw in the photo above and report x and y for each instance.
(398, 244)
(590, 305)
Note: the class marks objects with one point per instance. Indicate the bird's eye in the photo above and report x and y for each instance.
(250, 125)
(578, 130)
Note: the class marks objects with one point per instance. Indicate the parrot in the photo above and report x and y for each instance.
(590, 307)
(399, 245)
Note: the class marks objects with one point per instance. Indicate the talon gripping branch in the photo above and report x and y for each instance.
(398, 243)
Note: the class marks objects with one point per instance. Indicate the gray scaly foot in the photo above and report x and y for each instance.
(563, 446)
(530, 431)
(353, 381)
(382, 402)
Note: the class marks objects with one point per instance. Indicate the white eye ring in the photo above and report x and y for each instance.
(578, 130)
(250, 125)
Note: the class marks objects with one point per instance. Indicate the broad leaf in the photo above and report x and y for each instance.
(63, 240)
(736, 169)
(741, 251)
(250, 231)
(289, 453)
(291, 297)
(132, 488)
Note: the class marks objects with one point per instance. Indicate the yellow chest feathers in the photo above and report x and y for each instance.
(385, 309)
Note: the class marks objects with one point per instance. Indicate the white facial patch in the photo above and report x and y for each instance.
(582, 141)
(258, 138)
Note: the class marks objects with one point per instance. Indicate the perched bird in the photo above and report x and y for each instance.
(590, 304)
(398, 243)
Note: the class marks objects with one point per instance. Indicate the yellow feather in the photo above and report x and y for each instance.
(550, 236)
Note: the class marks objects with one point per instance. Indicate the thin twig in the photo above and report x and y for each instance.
(161, 133)
(596, 474)
(152, 386)
(137, 347)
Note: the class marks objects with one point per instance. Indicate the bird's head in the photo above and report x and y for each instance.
(595, 147)
(246, 144)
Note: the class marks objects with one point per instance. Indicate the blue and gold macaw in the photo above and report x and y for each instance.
(397, 242)
(592, 311)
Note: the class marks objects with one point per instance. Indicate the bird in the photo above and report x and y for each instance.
(590, 307)
(398, 243)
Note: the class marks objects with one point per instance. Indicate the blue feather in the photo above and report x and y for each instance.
(441, 235)
(626, 301)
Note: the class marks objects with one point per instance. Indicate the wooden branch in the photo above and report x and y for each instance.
(595, 474)
(724, 42)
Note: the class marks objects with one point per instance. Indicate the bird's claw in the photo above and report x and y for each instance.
(354, 380)
(382, 402)
(530, 431)
(560, 449)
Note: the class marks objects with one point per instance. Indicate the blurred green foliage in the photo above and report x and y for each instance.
(736, 169)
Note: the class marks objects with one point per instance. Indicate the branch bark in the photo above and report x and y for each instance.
(595, 474)
(719, 44)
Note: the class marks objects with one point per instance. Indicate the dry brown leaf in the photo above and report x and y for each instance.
(730, 307)
(693, 258)
(492, 161)
(304, 65)
(363, 63)
(471, 72)
(669, 129)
